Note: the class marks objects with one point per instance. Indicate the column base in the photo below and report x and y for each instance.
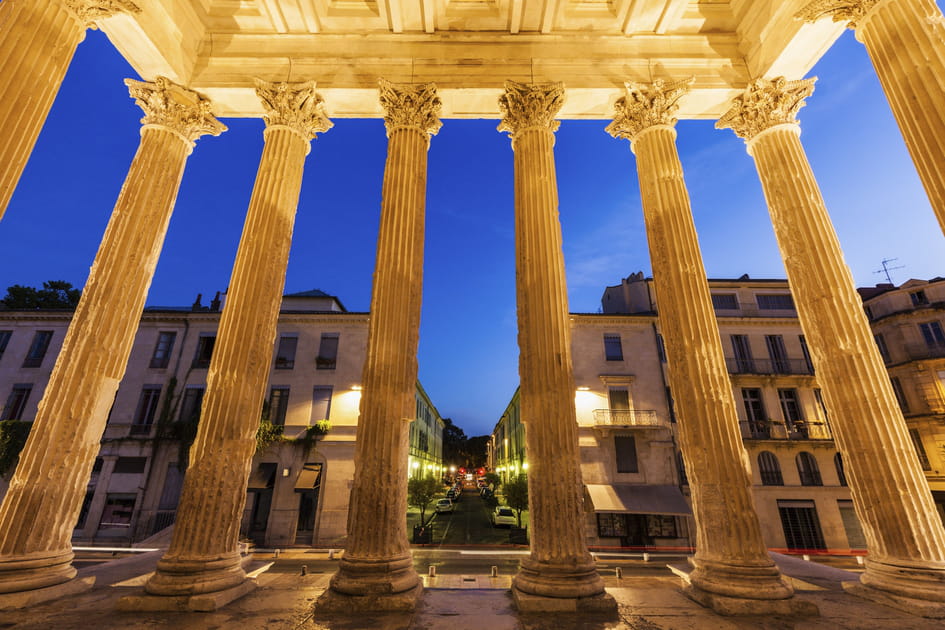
(32, 571)
(547, 586)
(24, 599)
(388, 584)
(187, 577)
(915, 588)
(204, 602)
(528, 603)
(738, 606)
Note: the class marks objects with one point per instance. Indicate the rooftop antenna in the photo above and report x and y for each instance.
(886, 269)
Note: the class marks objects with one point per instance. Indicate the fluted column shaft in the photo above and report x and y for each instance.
(377, 559)
(905, 40)
(46, 492)
(559, 564)
(37, 42)
(903, 531)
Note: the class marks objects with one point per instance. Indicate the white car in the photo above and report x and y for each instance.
(443, 505)
(503, 515)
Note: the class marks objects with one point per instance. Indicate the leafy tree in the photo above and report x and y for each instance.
(493, 480)
(474, 451)
(516, 496)
(54, 294)
(420, 494)
(454, 443)
(13, 434)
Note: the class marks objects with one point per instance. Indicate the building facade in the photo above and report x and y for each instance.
(302, 471)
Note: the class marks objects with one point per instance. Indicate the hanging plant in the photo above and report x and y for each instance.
(13, 434)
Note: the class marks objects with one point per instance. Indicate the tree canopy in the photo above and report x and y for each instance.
(516, 495)
(420, 494)
(54, 294)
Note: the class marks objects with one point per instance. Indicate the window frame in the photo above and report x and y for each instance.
(17, 400)
(808, 470)
(203, 355)
(38, 349)
(613, 347)
(161, 355)
(284, 359)
(329, 360)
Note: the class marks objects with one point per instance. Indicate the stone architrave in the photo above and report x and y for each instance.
(46, 492)
(559, 573)
(905, 40)
(904, 535)
(202, 567)
(376, 571)
(733, 572)
(37, 41)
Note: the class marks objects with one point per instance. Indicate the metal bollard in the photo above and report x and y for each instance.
(806, 557)
(432, 571)
(860, 560)
(618, 572)
(495, 571)
(646, 557)
(304, 569)
(331, 554)
(275, 553)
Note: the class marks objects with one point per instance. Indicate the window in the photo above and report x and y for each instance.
(841, 473)
(755, 411)
(933, 335)
(16, 402)
(661, 526)
(775, 302)
(770, 469)
(791, 409)
(660, 348)
(681, 467)
(162, 349)
(611, 525)
(920, 449)
(742, 349)
(855, 537)
(724, 302)
(285, 355)
(613, 350)
(204, 351)
(130, 466)
(779, 360)
(34, 358)
(808, 470)
(881, 344)
(327, 352)
(321, 403)
(805, 351)
(801, 526)
(672, 406)
(626, 449)
(919, 298)
(619, 398)
(820, 403)
(147, 406)
(190, 404)
(4, 340)
(900, 394)
(279, 404)
(118, 511)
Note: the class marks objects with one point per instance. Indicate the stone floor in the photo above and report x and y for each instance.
(284, 602)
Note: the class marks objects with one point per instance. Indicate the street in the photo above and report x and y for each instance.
(469, 524)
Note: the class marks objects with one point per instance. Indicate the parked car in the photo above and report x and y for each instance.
(503, 515)
(453, 494)
(443, 505)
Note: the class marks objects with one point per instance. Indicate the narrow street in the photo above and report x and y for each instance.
(468, 525)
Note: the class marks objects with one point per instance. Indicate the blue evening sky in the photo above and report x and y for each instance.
(468, 352)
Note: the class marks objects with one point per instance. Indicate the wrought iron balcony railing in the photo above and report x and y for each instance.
(798, 430)
(628, 418)
(768, 366)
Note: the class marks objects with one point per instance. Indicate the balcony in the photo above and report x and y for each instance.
(799, 430)
(767, 366)
(643, 418)
(116, 430)
(919, 351)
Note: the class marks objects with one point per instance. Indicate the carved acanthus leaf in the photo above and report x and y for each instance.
(167, 104)
(849, 11)
(88, 11)
(530, 105)
(646, 105)
(294, 105)
(764, 104)
(410, 105)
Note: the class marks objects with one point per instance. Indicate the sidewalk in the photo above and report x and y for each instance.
(452, 602)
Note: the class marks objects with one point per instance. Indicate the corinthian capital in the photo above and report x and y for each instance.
(410, 105)
(764, 104)
(294, 105)
(849, 11)
(530, 105)
(169, 105)
(646, 105)
(88, 11)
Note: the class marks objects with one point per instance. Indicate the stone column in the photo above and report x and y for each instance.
(905, 40)
(201, 570)
(37, 42)
(733, 572)
(559, 574)
(904, 535)
(46, 492)
(376, 571)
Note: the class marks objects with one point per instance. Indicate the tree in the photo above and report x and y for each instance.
(420, 494)
(516, 496)
(474, 451)
(454, 443)
(493, 480)
(54, 294)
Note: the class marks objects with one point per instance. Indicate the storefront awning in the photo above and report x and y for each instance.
(624, 498)
(262, 477)
(308, 478)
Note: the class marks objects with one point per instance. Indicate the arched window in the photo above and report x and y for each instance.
(808, 470)
(770, 469)
(841, 474)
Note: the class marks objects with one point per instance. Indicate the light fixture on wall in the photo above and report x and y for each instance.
(286, 471)
(355, 388)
